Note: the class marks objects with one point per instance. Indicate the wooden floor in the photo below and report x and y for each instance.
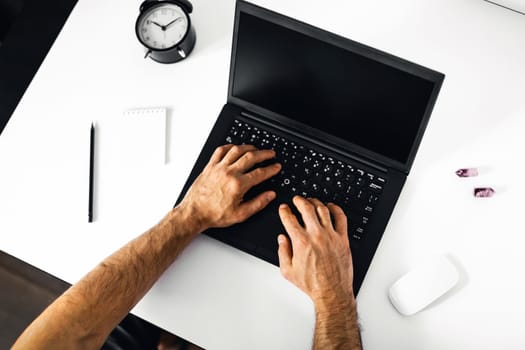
(24, 293)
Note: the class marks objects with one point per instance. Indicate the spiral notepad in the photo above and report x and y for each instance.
(143, 136)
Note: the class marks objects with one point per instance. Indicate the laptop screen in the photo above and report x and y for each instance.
(329, 87)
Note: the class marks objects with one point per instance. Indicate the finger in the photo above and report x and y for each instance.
(285, 254)
(322, 212)
(259, 175)
(307, 210)
(290, 222)
(235, 152)
(340, 220)
(219, 153)
(249, 159)
(255, 205)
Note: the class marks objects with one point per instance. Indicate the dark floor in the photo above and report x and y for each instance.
(26, 291)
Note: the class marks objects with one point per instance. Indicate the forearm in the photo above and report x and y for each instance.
(336, 325)
(83, 316)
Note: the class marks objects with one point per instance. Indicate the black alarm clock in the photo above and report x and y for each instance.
(164, 28)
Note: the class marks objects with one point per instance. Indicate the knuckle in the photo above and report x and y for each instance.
(258, 173)
(261, 203)
(249, 156)
(219, 151)
(302, 240)
(323, 210)
(337, 207)
(285, 271)
(317, 235)
(308, 205)
(237, 217)
(227, 172)
(339, 211)
(236, 185)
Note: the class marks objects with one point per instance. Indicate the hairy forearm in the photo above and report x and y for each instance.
(85, 314)
(336, 325)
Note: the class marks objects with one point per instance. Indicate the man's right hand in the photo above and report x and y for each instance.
(319, 262)
(318, 258)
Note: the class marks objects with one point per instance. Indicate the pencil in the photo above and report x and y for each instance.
(91, 167)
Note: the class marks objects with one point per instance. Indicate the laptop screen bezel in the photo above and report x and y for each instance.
(433, 76)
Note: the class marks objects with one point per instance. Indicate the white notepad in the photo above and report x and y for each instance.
(142, 137)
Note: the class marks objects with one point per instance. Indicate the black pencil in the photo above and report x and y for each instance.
(91, 167)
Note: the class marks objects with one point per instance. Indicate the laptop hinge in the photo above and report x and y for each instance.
(317, 142)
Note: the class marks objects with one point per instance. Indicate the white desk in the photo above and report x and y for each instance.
(221, 298)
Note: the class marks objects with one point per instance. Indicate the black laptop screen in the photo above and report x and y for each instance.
(326, 87)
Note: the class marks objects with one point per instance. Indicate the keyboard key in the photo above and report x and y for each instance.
(357, 219)
(305, 183)
(372, 199)
(328, 169)
(349, 178)
(351, 191)
(377, 188)
(357, 233)
(359, 182)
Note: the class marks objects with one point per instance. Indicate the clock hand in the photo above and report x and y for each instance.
(158, 24)
(172, 22)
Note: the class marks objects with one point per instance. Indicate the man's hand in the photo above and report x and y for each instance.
(216, 197)
(319, 262)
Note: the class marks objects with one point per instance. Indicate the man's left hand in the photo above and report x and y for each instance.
(216, 197)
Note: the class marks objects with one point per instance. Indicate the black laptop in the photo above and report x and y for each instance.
(344, 119)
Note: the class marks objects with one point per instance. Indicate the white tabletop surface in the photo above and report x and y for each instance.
(221, 298)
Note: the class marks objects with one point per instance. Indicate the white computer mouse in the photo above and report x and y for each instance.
(418, 288)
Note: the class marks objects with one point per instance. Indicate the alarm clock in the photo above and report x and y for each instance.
(164, 28)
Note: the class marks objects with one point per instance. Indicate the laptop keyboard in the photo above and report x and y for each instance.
(309, 173)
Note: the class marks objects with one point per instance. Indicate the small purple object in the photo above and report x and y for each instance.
(484, 192)
(467, 172)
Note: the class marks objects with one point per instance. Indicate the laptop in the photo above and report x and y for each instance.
(344, 119)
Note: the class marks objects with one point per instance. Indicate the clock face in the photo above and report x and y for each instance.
(162, 26)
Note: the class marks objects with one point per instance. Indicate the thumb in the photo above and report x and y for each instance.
(285, 254)
(255, 205)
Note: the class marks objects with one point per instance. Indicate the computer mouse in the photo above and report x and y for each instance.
(424, 284)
